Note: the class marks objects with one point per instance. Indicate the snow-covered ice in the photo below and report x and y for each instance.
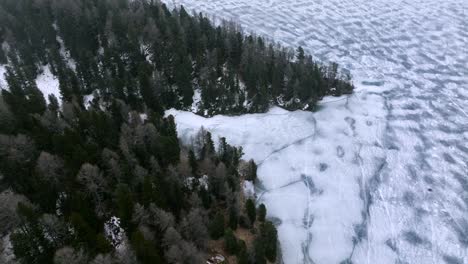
(48, 84)
(380, 176)
(309, 160)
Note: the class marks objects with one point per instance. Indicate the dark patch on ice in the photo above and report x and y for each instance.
(462, 148)
(463, 180)
(413, 238)
(317, 151)
(369, 123)
(426, 115)
(412, 172)
(429, 179)
(407, 65)
(305, 250)
(373, 83)
(307, 220)
(452, 260)
(391, 244)
(445, 143)
(323, 166)
(351, 122)
(445, 128)
(412, 117)
(361, 232)
(275, 220)
(449, 158)
(420, 212)
(411, 106)
(392, 146)
(408, 198)
(309, 183)
(347, 261)
(348, 41)
(461, 230)
(340, 151)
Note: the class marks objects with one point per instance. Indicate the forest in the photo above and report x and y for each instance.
(107, 180)
(93, 186)
(150, 57)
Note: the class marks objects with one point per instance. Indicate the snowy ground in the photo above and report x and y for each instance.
(48, 84)
(3, 82)
(380, 176)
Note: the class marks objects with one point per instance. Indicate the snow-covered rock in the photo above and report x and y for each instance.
(3, 82)
(248, 188)
(196, 101)
(113, 232)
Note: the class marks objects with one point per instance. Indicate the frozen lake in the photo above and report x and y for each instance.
(377, 177)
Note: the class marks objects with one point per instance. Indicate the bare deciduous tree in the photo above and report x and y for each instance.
(9, 219)
(50, 168)
(68, 255)
(55, 230)
(153, 217)
(184, 252)
(95, 185)
(171, 237)
(7, 119)
(102, 259)
(194, 228)
(18, 149)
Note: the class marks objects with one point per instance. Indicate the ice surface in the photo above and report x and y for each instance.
(377, 177)
(309, 160)
(48, 84)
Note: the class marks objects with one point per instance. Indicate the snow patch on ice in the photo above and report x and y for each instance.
(48, 84)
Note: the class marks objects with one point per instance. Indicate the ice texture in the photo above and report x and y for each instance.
(380, 176)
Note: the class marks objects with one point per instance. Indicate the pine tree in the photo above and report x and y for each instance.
(216, 227)
(230, 242)
(269, 237)
(250, 209)
(261, 213)
(193, 162)
(300, 54)
(124, 201)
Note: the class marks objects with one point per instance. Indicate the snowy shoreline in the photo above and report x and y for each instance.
(383, 168)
